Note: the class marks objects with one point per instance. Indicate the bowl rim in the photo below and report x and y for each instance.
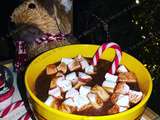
(33, 96)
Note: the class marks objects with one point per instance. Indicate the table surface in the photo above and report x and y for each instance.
(147, 115)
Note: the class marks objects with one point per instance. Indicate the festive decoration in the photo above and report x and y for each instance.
(117, 58)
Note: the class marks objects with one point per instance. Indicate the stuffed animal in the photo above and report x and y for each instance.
(42, 25)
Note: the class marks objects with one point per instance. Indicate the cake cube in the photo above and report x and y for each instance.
(75, 65)
(62, 67)
(51, 69)
(95, 100)
(128, 77)
(122, 88)
(135, 96)
(101, 92)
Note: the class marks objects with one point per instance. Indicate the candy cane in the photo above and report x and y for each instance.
(11, 107)
(26, 116)
(117, 58)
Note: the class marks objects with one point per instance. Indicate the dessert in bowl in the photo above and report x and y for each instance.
(64, 111)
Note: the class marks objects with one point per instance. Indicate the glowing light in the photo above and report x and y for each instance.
(137, 2)
(144, 37)
(141, 27)
(136, 22)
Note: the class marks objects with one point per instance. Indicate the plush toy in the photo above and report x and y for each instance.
(42, 25)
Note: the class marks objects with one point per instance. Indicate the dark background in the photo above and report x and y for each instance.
(89, 18)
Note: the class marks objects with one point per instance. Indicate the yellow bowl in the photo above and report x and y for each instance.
(43, 112)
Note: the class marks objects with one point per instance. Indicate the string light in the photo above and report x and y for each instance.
(137, 2)
(141, 27)
(144, 37)
(136, 22)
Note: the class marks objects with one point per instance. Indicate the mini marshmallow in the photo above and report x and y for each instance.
(84, 90)
(122, 88)
(135, 96)
(89, 69)
(81, 101)
(83, 77)
(108, 84)
(123, 100)
(100, 92)
(65, 85)
(56, 92)
(72, 77)
(79, 58)
(122, 69)
(67, 60)
(71, 93)
(62, 67)
(111, 78)
(69, 102)
(49, 101)
(68, 106)
(51, 69)
(84, 64)
(95, 100)
(74, 65)
(122, 109)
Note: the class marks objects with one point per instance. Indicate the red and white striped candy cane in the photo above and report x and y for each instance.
(117, 58)
(26, 116)
(11, 107)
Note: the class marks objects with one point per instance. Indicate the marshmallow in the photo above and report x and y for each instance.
(72, 93)
(108, 84)
(90, 69)
(84, 90)
(128, 77)
(51, 69)
(67, 60)
(81, 101)
(62, 67)
(122, 88)
(74, 65)
(79, 58)
(100, 92)
(65, 85)
(123, 100)
(68, 106)
(69, 102)
(84, 64)
(122, 109)
(122, 69)
(72, 77)
(56, 92)
(49, 101)
(95, 100)
(111, 78)
(59, 74)
(83, 77)
(135, 96)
